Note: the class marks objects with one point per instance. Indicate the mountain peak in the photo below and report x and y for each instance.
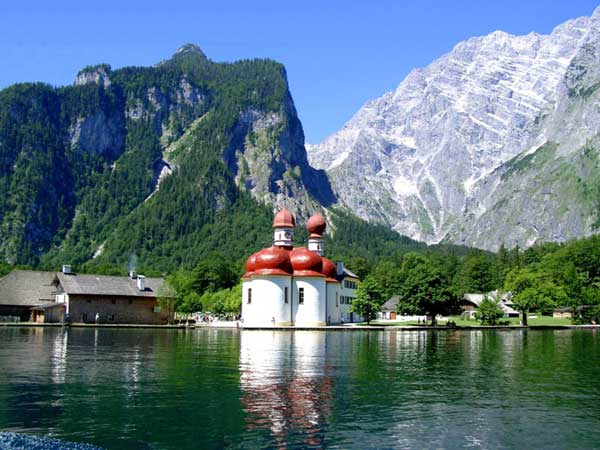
(426, 157)
(190, 49)
(99, 74)
(186, 54)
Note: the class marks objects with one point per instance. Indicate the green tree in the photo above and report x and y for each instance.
(533, 290)
(475, 275)
(214, 273)
(587, 314)
(224, 302)
(489, 311)
(426, 290)
(191, 303)
(389, 276)
(359, 265)
(500, 267)
(369, 299)
(168, 299)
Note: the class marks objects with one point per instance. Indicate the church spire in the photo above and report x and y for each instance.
(284, 224)
(316, 227)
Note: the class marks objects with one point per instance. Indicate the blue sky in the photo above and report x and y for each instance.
(338, 54)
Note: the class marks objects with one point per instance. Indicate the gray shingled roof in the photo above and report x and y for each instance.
(391, 304)
(505, 300)
(27, 288)
(475, 299)
(47, 305)
(76, 284)
(350, 274)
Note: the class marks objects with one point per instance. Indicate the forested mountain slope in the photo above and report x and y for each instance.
(160, 166)
(146, 160)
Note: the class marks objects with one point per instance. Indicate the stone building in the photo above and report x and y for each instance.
(114, 299)
(47, 297)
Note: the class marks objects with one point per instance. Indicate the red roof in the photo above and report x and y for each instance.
(284, 219)
(306, 263)
(250, 265)
(273, 261)
(316, 225)
(330, 270)
(299, 262)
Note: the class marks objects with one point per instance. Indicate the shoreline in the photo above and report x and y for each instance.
(90, 325)
(325, 328)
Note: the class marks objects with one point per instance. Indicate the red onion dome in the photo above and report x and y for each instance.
(316, 224)
(306, 263)
(250, 265)
(284, 219)
(329, 270)
(273, 261)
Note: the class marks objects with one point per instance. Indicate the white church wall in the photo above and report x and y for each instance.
(267, 307)
(333, 303)
(312, 311)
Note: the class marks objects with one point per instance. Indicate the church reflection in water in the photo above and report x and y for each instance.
(286, 384)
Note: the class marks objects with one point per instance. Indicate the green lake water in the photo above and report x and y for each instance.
(212, 389)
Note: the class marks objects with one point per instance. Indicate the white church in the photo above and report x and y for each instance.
(287, 286)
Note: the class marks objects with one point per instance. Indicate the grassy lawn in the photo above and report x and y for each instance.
(538, 321)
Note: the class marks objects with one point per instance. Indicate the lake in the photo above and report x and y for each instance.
(219, 388)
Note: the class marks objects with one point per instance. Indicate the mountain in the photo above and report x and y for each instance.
(148, 160)
(158, 167)
(494, 143)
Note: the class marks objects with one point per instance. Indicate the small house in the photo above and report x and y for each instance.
(29, 295)
(389, 309)
(565, 312)
(470, 303)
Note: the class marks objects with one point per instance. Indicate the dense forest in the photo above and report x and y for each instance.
(151, 166)
(540, 278)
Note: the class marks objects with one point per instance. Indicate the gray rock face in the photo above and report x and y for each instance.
(99, 74)
(98, 133)
(269, 159)
(171, 112)
(435, 159)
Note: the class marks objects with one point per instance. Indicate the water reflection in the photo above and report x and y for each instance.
(58, 358)
(286, 384)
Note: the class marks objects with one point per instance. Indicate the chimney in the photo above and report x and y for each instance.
(141, 282)
(66, 268)
(132, 274)
(340, 268)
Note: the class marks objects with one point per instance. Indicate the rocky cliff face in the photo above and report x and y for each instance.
(268, 158)
(494, 143)
(99, 74)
